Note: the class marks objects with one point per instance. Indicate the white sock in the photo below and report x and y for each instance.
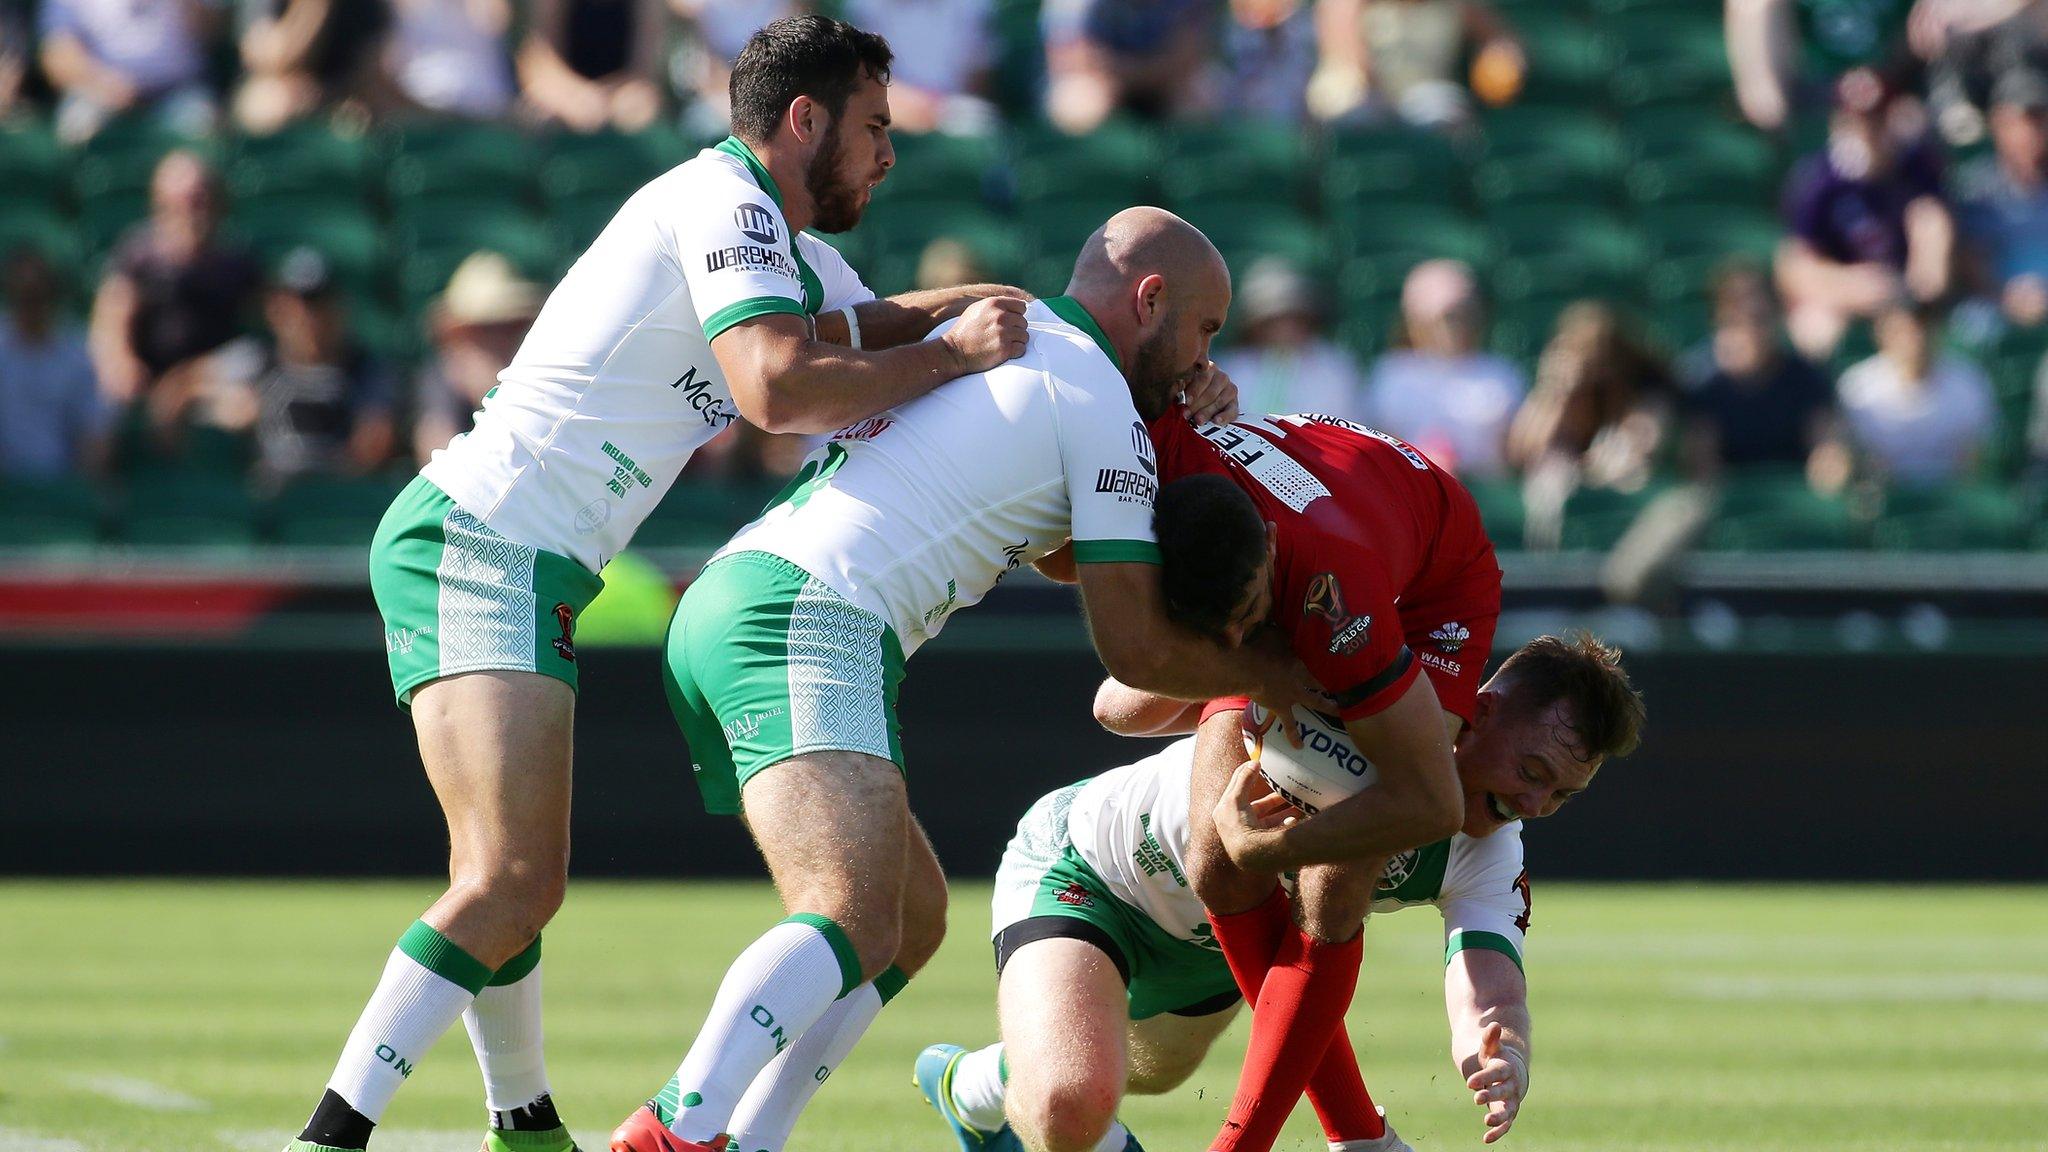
(979, 1082)
(770, 996)
(427, 983)
(1114, 1139)
(763, 1120)
(505, 1030)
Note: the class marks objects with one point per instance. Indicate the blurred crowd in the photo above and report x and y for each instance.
(1853, 354)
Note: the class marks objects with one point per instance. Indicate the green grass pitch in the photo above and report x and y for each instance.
(179, 1017)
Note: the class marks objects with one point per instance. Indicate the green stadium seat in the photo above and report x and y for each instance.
(462, 162)
(1519, 183)
(1221, 161)
(613, 164)
(435, 227)
(901, 231)
(1673, 230)
(1056, 228)
(1118, 162)
(934, 168)
(1371, 168)
(396, 336)
(57, 512)
(305, 161)
(179, 507)
(336, 510)
(1020, 58)
(1599, 239)
(1577, 143)
(1595, 518)
(1500, 506)
(1410, 231)
(574, 221)
(1569, 62)
(346, 234)
(1948, 519)
(37, 169)
(1565, 273)
(1668, 58)
(1774, 510)
(1248, 231)
(44, 228)
(120, 158)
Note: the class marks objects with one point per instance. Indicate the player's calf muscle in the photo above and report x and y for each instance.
(833, 828)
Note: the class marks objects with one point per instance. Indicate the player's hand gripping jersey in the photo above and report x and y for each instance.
(1383, 565)
(916, 513)
(615, 386)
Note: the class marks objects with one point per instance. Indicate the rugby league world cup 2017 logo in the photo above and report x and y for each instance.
(1325, 598)
(565, 644)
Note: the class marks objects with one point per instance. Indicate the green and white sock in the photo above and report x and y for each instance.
(427, 983)
(980, 1080)
(770, 996)
(766, 1114)
(505, 1030)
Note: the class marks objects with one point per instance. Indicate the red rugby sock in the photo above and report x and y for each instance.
(1337, 1091)
(1300, 1007)
(1251, 939)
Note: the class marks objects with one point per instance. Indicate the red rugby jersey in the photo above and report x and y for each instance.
(1366, 524)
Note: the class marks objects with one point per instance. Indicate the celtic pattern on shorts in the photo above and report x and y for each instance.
(836, 674)
(487, 605)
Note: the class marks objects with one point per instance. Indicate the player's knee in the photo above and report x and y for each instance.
(1222, 885)
(526, 893)
(924, 929)
(876, 941)
(1066, 1116)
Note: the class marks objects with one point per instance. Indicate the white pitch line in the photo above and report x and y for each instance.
(391, 1140)
(1995, 987)
(137, 1092)
(15, 1140)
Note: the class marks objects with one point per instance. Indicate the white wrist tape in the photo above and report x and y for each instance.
(852, 326)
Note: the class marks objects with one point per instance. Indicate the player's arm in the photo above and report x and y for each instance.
(1126, 711)
(784, 379)
(909, 317)
(1416, 801)
(1486, 997)
(1126, 610)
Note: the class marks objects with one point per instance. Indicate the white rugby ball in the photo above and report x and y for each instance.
(1325, 769)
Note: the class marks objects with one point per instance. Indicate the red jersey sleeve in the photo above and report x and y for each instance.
(1341, 618)
(1225, 704)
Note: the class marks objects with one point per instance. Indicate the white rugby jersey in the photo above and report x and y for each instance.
(1131, 826)
(916, 513)
(615, 385)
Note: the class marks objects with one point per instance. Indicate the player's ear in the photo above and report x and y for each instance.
(1149, 299)
(806, 119)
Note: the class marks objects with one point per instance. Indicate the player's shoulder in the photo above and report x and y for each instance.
(709, 185)
(1474, 858)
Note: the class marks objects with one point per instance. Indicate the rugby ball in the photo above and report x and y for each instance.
(1325, 769)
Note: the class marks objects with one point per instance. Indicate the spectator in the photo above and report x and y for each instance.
(1284, 362)
(1398, 60)
(1787, 54)
(1269, 56)
(300, 56)
(1102, 56)
(15, 42)
(1867, 223)
(717, 30)
(1916, 416)
(175, 293)
(52, 421)
(448, 57)
(477, 325)
(1968, 46)
(1598, 415)
(109, 57)
(594, 64)
(1441, 393)
(1748, 401)
(319, 403)
(944, 52)
(2004, 202)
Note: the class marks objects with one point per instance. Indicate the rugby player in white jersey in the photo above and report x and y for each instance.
(701, 303)
(785, 655)
(1110, 980)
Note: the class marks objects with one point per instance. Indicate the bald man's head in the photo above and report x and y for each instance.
(1161, 292)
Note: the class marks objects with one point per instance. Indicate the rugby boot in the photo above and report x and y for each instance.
(643, 1131)
(933, 1075)
(513, 1140)
(1388, 1141)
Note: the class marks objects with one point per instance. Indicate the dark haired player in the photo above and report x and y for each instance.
(1386, 584)
(701, 303)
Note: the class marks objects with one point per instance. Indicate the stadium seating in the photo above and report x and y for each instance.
(331, 509)
(1773, 510)
(1961, 517)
